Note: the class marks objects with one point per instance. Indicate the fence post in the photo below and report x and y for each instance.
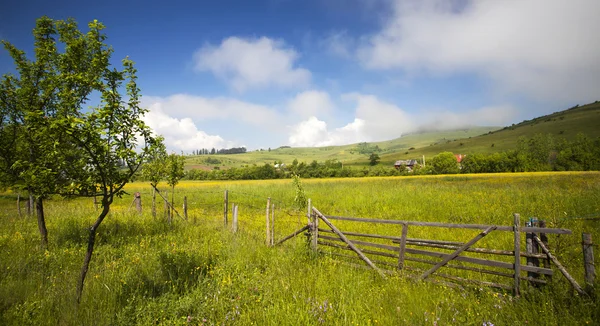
(268, 240)
(309, 210)
(19, 204)
(30, 205)
(272, 224)
(588, 260)
(544, 239)
(402, 246)
(226, 206)
(185, 207)
(153, 201)
(532, 248)
(517, 234)
(235, 219)
(138, 202)
(315, 233)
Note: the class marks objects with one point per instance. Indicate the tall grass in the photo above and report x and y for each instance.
(145, 271)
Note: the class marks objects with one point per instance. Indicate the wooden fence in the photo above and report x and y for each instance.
(435, 259)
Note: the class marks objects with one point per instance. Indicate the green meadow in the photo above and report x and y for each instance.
(197, 272)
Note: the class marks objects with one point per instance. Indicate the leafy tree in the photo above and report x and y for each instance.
(154, 170)
(444, 163)
(374, 159)
(175, 173)
(36, 155)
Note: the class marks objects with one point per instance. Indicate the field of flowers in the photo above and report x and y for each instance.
(196, 272)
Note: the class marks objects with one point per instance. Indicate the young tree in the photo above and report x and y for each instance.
(36, 156)
(175, 173)
(154, 170)
(374, 159)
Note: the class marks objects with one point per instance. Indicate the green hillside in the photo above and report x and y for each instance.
(347, 154)
(563, 124)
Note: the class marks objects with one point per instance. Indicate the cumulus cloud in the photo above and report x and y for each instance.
(181, 134)
(311, 103)
(545, 49)
(378, 120)
(216, 108)
(252, 63)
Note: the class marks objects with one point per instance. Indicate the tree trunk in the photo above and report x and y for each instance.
(153, 202)
(172, 201)
(90, 249)
(39, 208)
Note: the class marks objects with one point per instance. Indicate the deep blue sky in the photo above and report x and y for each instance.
(309, 73)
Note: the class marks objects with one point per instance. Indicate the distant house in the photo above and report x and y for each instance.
(459, 157)
(409, 164)
(279, 166)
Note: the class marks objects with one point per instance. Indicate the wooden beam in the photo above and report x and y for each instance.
(517, 242)
(348, 242)
(457, 252)
(304, 228)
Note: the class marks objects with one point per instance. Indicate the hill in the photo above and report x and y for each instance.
(563, 124)
(347, 154)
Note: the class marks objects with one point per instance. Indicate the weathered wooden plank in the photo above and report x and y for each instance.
(458, 251)
(476, 250)
(559, 266)
(449, 225)
(268, 227)
(304, 228)
(348, 242)
(366, 251)
(365, 243)
(402, 249)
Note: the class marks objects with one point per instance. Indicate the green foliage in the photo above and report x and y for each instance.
(444, 163)
(374, 159)
(300, 200)
(154, 169)
(174, 169)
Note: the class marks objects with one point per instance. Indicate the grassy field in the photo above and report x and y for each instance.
(196, 272)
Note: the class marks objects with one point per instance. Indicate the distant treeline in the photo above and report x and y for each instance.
(206, 151)
(538, 153)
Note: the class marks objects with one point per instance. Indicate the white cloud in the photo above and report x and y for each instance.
(252, 63)
(181, 134)
(201, 108)
(377, 120)
(311, 103)
(545, 49)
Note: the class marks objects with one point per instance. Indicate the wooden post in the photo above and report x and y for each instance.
(272, 224)
(532, 248)
(315, 233)
(517, 234)
(226, 206)
(402, 246)
(544, 239)
(268, 240)
(19, 204)
(185, 207)
(235, 219)
(588, 259)
(138, 202)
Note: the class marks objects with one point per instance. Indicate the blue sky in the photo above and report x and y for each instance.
(313, 73)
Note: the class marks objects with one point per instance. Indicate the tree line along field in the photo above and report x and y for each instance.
(197, 272)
